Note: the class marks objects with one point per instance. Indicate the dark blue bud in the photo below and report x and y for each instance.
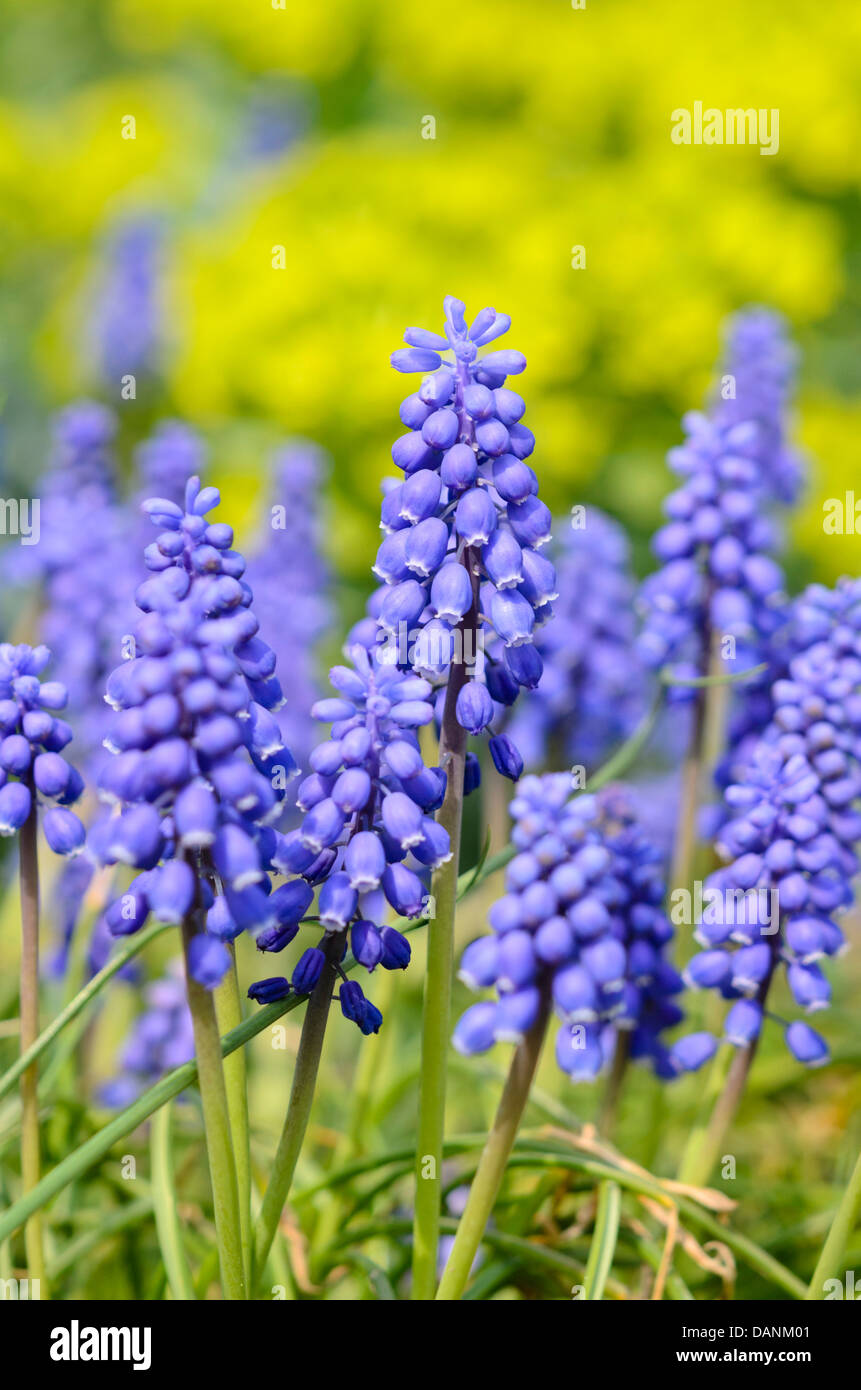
(524, 665)
(506, 758)
(291, 901)
(396, 949)
(366, 944)
(268, 991)
(308, 970)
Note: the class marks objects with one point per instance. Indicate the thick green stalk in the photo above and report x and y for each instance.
(228, 1012)
(299, 1108)
(30, 1155)
(828, 1266)
(495, 1155)
(216, 1121)
(436, 1018)
(436, 1023)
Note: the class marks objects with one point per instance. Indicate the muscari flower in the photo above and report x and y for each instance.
(33, 771)
(592, 689)
(126, 325)
(582, 922)
(792, 831)
(719, 577)
(165, 461)
(461, 555)
(290, 560)
(367, 834)
(161, 1039)
(199, 768)
(762, 363)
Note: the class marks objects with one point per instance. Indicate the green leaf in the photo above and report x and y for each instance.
(604, 1238)
(702, 682)
(164, 1201)
(79, 1003)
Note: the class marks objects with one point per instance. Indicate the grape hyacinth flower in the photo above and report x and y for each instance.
(84, 536)
(717, 603)
(367, 833)
(161, 1038)
(126, 325)
(465, 584)
(34, 777)
(164, 462)
(199, 771)
(719, 576)
(761, 363)
(581, 930)
(366, 837)
(592, 691)
(199, 767)
(290, 561)
(791, 838)
(33, 771)
(582, 925)
(465, 588)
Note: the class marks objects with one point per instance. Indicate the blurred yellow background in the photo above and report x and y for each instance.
(259, 127)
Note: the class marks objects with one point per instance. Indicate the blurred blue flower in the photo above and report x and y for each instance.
(581, 922)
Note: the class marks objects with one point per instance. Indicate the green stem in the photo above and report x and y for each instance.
(369, 1080)
(495, 1156)
(705, 1145)
(79, 1003)
(216, 1121)
(710, 705)
(228, 1012)
(609, 1108)
(700, 1161)
(164, 1201)
(690, 1164)
(684, 844)
(436, 1018)
(622, 758)
(604, 1238)
(299, 1108)
(100, 1144)
(828, 1266)
(528, 1154)
(30, 1155)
